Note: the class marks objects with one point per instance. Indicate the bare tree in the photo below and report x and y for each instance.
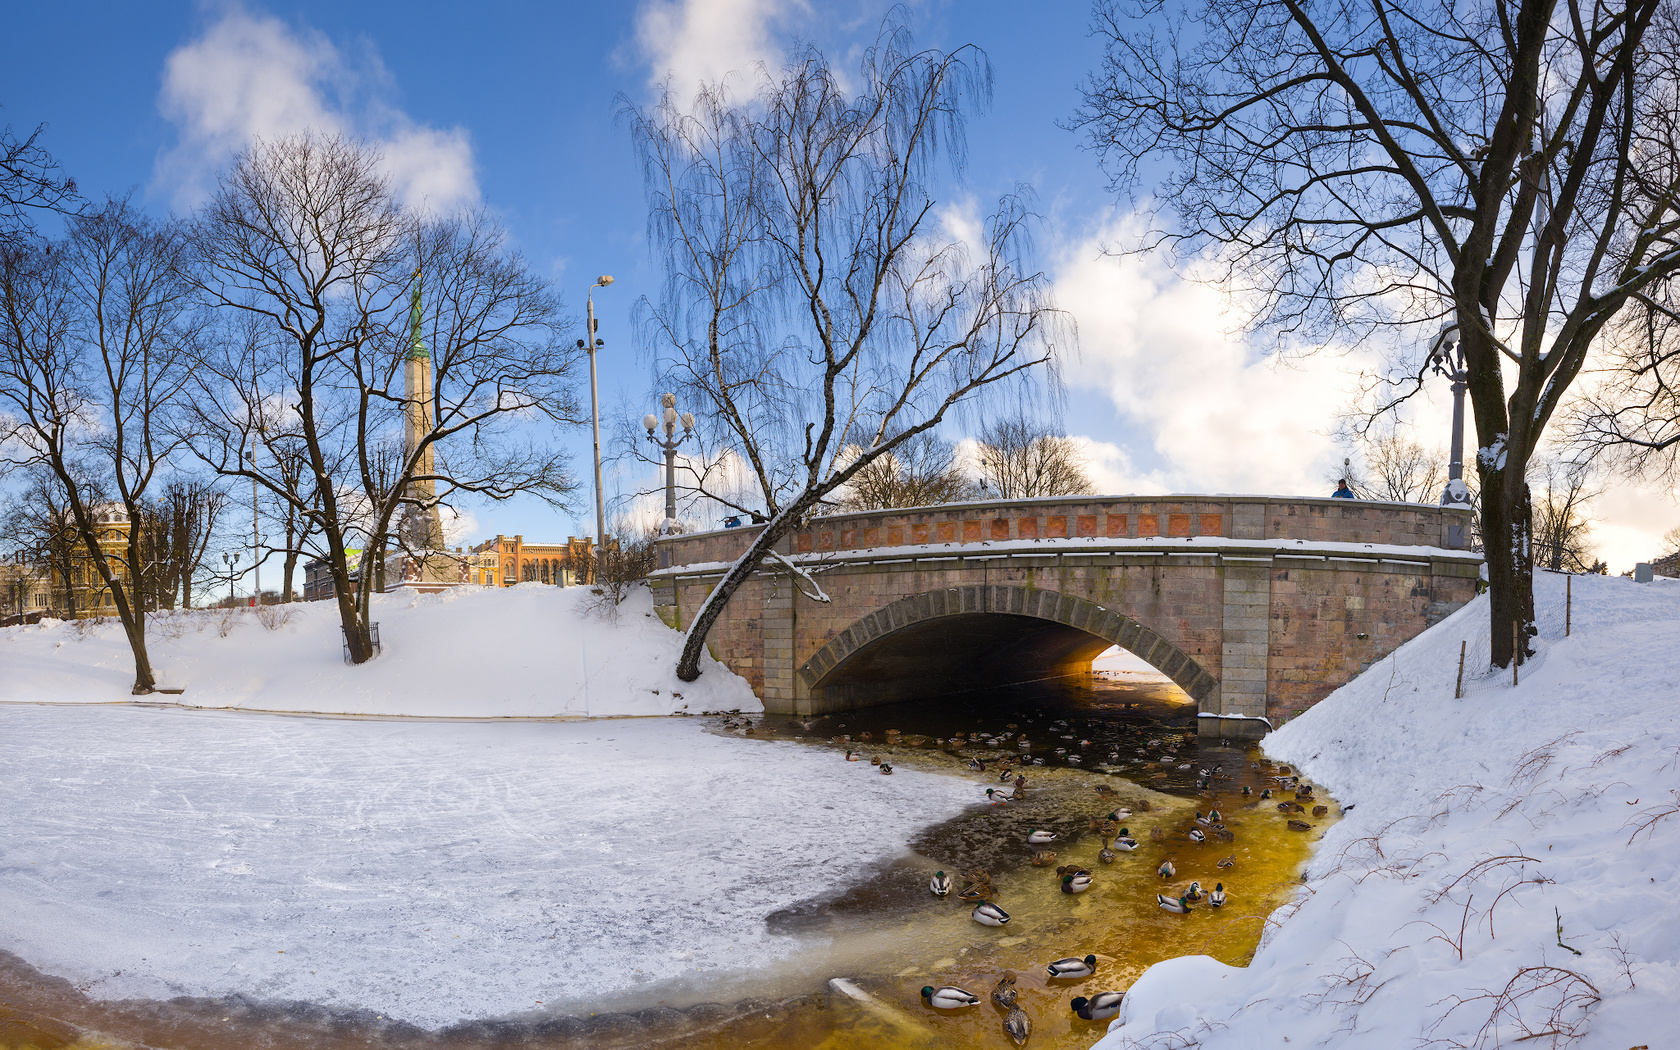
(184, 519)
(1562, 528)
(1021, 458)
(30, 180)
(919, 473)
(1400, 468)
(92, 360)
(1507, 168)
(37, 518)
(339, 286)
(815, 304)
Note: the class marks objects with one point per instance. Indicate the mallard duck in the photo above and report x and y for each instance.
(1194, 893)
(996, 797)
(977, 765)
(853, 756)
(1043, 858)
(1202, 820)
(1284, 770)
(1319, 811)
(1157, 835)
(1076, 883)
(1197, 837)
(1099, 1007)
(1247, 791)
(1072, 969)
(1036, 837)
(866, 737)
(875, 760)
(1217, 897)
(988, 914)
(1105, 791)
(949, 998)
(1166, 870)
(1267, 793)
(1018, 1025)
(1177, 905)
(1006, 775)
(1124, 840)
(1214, 816)
(886, 769)
(1020, 782)
(941, 884)
(1004, 993)
(1142, 805)
(1223, 833)
(1071, 869)
(976, 875)
(1228, 862)
(1107, 856)
(1299, 825)
(977, 892)
(1286, 807)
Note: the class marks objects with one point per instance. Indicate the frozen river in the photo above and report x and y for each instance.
(430, 871)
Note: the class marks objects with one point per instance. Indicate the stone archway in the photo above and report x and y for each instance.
(1068, 629)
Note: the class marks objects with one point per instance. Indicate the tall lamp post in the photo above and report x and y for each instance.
(256, 534)
(1447, 358)
(595, 415)
(18, 582)
(231, 561)
(669, 404)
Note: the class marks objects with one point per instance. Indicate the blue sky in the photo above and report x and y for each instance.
(513, 106)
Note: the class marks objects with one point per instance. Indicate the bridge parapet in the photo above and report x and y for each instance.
(1313, 520)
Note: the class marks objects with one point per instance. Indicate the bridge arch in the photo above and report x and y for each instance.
(971, 636)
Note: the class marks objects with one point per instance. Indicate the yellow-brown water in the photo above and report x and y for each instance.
(888, 937)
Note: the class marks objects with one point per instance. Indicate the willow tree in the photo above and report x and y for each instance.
(819, 303)
(1505, 170)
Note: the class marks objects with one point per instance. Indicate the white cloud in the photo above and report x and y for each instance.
(250, 76)
(1218, 415)
(460, 527)
(695, 41)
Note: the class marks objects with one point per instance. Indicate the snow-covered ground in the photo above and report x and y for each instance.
(526, 651)
(1430, 915)
(428, 871)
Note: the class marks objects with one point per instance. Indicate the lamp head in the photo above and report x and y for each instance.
(688, 420)
(670, 416)
(650, 421)
(668, 400)
(602, 281)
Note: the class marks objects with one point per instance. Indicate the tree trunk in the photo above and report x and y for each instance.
(291, 567)
(1506, 543)
(688, 666)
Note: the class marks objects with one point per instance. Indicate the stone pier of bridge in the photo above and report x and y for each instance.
(1257, 607)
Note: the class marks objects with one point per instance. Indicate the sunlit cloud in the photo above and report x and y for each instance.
(250, 76)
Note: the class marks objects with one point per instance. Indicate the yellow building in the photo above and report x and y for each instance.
(509, 560)
(86, 587)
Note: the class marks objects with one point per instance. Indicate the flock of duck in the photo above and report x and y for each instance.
(976, 886)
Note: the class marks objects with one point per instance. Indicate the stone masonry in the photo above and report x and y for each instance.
(1257, 607)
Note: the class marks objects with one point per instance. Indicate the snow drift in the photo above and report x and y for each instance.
(1503, 874)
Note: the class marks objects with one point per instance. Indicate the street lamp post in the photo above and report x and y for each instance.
(19, 556)
(231, 561)
(1447, 359)
(669, 404)
(256, 534)
(595, 414)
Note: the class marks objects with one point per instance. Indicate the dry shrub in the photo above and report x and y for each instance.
(226, 621)
(274, 617)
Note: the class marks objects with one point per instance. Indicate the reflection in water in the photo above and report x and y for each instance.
(888, 936)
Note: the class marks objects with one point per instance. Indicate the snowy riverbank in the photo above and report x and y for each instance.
(1429, 916)
(527, 651)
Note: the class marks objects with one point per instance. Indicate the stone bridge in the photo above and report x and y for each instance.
(1256, 606)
